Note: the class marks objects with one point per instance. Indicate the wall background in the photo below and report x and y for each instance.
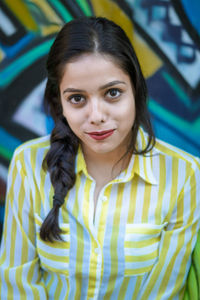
(166, 37)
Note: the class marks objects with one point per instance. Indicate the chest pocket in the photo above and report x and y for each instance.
(141, 247)
(53, 256)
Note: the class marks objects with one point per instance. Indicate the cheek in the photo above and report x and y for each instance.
(74, 122)
(129, 118)
(127, 113)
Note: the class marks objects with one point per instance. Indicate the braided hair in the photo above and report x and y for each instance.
(59, 161)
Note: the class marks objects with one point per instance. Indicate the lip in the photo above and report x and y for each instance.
(101, 135)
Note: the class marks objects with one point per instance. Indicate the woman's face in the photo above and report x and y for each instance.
(98, 103)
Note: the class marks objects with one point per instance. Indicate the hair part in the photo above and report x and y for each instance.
(82, 36)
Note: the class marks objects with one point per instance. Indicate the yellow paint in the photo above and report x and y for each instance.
(48, 11)
(112, 11)
(2, 55)
(55, 22)
(149, 61)
(47, 30)
(20, 10)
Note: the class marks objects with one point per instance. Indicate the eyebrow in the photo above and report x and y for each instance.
(109, 84)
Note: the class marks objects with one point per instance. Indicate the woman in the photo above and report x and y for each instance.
(100, 209)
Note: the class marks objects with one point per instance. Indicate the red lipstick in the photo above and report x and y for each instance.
(101, 135)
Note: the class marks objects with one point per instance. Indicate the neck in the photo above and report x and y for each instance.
(107, 166)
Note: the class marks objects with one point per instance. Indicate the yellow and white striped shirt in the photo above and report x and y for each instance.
(138, 244)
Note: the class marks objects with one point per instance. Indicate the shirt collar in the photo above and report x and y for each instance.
(142, 164)
(143, 168)
(139, 164)
(80, 162)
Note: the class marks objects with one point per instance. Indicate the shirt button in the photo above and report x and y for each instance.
(104, 198)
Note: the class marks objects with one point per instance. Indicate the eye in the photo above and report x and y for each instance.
(113, 93)
(76, 99)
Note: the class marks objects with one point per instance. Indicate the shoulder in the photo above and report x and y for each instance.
(168, 151)
(180, 162)
(175, 153)
(41, 144)
(30, 154)
(38, 143)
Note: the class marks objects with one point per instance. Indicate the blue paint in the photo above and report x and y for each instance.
(192, 9)
(174, 99)
(2, 208)
(49, 124)
(24, 61)
(173, 136)
(12, 51)
(8, 141)
(169, 135)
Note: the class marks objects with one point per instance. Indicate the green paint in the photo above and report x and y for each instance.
(85, 7)
(5, 153)
(61, 10)
(177, 89)
(172, 137)
(180, 92)
(24, 61)
(188, 128)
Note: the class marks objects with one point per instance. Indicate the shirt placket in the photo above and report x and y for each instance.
(95, 247)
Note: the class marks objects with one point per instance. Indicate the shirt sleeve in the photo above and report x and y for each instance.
(168, 276)
(20, 273)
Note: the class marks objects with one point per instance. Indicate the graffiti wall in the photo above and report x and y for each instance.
(166, 37)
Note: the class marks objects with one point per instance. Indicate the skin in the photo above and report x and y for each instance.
(97, 95)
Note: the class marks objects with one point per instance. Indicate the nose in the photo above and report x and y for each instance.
(97, 113)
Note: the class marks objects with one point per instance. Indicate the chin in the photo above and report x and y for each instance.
(103, 150)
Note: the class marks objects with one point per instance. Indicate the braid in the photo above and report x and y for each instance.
(59, 161)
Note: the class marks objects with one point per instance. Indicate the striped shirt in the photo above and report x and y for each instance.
(137, 245)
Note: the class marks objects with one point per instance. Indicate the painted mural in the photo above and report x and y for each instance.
(166, 37)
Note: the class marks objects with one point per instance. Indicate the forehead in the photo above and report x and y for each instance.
(93, 66)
